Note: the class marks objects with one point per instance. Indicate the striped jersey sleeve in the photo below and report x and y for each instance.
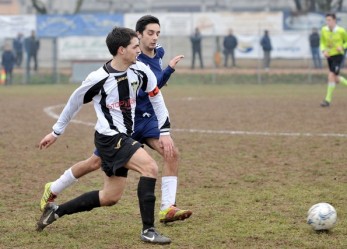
(84, 94)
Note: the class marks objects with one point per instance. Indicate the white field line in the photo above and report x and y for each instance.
(50, 112)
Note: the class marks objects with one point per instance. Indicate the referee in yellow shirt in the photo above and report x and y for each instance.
(333, 42)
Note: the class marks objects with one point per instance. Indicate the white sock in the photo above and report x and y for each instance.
(64, 181)
(168, 191)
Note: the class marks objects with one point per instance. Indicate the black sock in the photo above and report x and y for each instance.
(145, 193)
(85, 202)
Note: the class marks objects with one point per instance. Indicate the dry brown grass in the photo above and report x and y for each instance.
(246, 191)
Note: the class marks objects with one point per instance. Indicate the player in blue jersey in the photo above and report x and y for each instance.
(146, 130)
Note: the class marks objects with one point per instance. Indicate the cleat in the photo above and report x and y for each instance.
(48, 216)
(173, 213)
(47, 196)
(325, 104)
(151, 235)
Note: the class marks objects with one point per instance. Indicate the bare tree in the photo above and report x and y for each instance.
(339, 5)
(39, 6)
(318, 5)
(42, 8)
(298, 5)
(78, 6)
(311, 5)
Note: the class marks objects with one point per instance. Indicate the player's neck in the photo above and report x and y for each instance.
(332, 27)
(119, 64)
(147, 51)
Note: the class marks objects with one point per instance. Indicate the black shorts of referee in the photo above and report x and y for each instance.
(334, 63)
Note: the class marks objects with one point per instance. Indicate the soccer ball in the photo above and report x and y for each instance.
(322, 216)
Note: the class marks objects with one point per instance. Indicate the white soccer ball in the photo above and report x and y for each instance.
(322, 216)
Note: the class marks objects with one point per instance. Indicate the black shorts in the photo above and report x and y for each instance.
(115, 151)
(334, 63)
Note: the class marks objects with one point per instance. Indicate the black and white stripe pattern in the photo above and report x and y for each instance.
(114, 98)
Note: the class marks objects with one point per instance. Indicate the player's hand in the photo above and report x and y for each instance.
(175, 60)
(167, 144)
(47, 141)
(326, 54)
(340, 49)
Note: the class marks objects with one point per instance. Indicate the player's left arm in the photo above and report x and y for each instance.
(165, 141)
(166, 73)
(160, 110)
(344, 39)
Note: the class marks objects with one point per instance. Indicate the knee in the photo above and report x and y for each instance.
(176, 154)
(150, 169)
(175, 157)
(94, 163)
(331, 77)
(108, 200)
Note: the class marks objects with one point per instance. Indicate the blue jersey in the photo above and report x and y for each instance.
(143, 104)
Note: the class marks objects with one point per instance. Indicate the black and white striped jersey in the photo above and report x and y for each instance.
(114, 96)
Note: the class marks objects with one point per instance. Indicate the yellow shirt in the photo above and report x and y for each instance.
(331, 40)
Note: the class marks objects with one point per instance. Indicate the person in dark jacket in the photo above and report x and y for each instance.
(229, 44)
(196, 47)
(314, 45)
(18, 48)
(265, 43)
(8, 60)
(32, 45)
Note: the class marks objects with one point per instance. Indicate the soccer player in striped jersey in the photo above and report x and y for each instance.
(146, 130)
(113, 89)
(333, 42)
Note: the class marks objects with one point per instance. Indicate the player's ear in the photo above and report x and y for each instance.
(139, 35)
(121, 50)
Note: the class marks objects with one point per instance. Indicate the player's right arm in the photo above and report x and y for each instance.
(80, 96)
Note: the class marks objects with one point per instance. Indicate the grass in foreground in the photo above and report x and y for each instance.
(246, 191)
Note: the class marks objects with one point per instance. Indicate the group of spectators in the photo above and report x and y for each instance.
(229, 46)
(13, 55)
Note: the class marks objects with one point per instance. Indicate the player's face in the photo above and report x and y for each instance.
(331, 22)
(132, 51)
(150, 35)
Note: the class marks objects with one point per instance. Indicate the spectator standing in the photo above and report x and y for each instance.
(196, 47)
(18, 49)
(314, 45)
(229, 44)
(32, 45)
(8, 60)
(265, 43)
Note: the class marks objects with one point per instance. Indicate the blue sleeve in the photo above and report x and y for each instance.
(165, 76)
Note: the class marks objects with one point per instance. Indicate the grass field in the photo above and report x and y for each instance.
(259, 156)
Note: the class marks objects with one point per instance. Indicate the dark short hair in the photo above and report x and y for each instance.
(119, 37)
(332, 15)
(144, 21)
